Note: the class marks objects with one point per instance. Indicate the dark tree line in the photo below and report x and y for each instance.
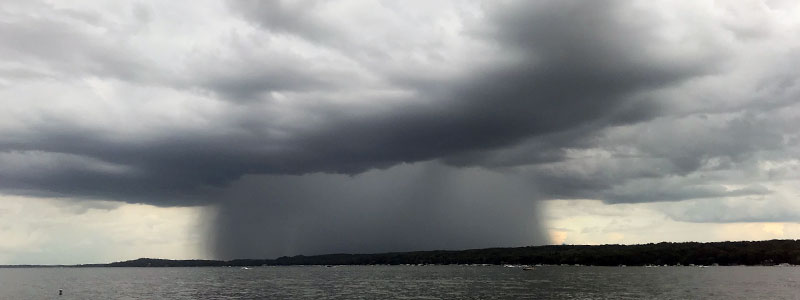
(722, 253)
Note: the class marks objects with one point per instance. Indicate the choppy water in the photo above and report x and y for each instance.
(403, 282)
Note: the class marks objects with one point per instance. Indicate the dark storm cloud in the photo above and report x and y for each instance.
(579, 75)
(407, 207)
(564, 80)
(266, 119)
(672, 159)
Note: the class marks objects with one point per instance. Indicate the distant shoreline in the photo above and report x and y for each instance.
(747, 253)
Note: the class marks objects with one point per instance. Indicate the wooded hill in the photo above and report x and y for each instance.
(722, 253)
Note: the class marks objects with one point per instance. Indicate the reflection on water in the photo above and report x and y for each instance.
(402, 282)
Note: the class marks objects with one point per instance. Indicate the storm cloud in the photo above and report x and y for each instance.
(406, 207)
(317, 120)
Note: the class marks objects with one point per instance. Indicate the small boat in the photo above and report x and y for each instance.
(528, 268)
(246, 268)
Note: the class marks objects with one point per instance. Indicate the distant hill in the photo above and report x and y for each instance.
(722, 253)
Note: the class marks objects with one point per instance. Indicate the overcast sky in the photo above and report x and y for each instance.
(214, 129)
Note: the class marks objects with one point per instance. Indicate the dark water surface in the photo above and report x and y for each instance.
(403, 282)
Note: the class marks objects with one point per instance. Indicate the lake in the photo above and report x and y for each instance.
(402, 282)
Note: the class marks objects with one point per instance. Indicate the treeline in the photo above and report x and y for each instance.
(721, 253)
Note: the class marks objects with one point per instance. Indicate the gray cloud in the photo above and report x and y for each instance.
(607, 100)
(774, 208)
(547, 92)
(406, 207)
(58, 45)
(296, 17)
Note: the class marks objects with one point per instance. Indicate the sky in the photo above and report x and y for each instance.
(233, 129)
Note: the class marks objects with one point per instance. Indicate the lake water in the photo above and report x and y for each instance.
(403, 282)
